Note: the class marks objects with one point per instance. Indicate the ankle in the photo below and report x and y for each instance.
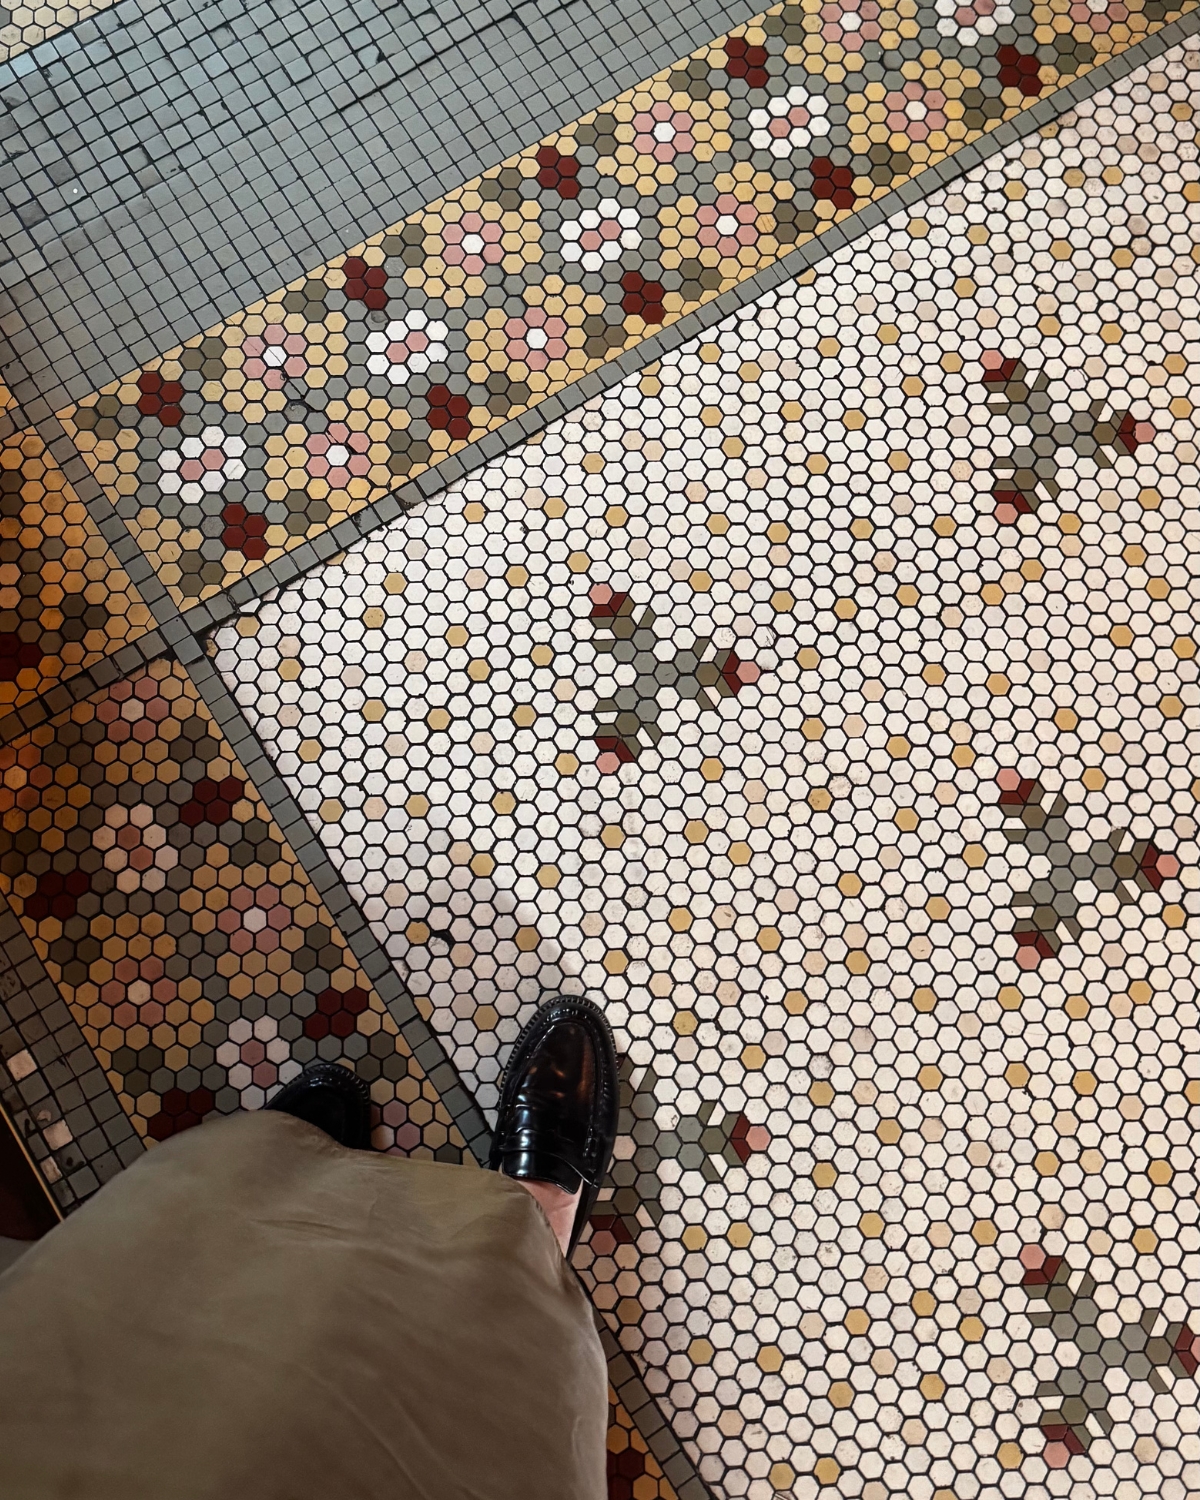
(558, 1205)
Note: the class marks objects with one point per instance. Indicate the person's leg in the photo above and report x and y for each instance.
(558, 1206)
(255, 1308)
(556, 1122)
(252, 1309)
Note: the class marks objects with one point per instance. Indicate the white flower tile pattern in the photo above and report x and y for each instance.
(824, 700)
(549, 265)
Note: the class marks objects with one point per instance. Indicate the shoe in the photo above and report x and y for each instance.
(557, 1120)
(333, 1099)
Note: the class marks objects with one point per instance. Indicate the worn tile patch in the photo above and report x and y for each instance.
(275, 425)
(824, 699)
(193, 951)
(24, 26)
(65, 601)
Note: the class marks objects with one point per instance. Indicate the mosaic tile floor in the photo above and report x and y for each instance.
(173, 915)
(65, 601)
(296, 413)
(24, 26)
(825, 699)
(736, 558)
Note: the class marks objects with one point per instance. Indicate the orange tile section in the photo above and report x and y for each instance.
(64, 600)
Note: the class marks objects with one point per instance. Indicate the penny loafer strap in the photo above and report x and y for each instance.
(540, 1165)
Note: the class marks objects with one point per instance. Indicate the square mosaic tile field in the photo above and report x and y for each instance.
(824, 699)
(166, 164)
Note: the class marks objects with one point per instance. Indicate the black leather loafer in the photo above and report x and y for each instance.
(557, 1120)
(333, 1099)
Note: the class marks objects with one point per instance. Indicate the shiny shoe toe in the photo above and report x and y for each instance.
(333, 1099)
(557, 1119)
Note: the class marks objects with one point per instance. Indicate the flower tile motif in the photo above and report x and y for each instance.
(789, 122)
(193, 951)
(824, 699)
(407, 347)
(438, 330)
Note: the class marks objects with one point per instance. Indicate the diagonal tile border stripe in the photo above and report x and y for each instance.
(654, 346)
(649, 1420)
(521, 292)
(65, 602)
(312, 552)
(427, 1049)
(375, 964)
(101, 674)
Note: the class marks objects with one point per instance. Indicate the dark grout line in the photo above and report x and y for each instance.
(120, 539)
(67, 1083)
(64, 695)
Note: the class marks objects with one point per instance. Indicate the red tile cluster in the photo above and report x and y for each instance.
(833, 184)
(57, 895)
(245, 531)
(336, 1014)
(364, 283)
(449, 412)
(558, 171)
(160, 398)
(624, 1470)
(212, 801)
(180, 1111)
(642, 298)
(1019, 70)
(744, 61)
(16, 655)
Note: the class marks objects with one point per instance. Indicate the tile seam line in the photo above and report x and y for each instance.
(344, 910)
(167, 629)
(287, 569)
(112, 527)
(63, 695)
(662, 1440)
(426, 1047)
